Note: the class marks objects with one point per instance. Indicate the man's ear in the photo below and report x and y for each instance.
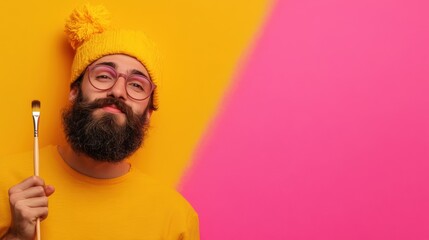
(148, 114)
(74, 91)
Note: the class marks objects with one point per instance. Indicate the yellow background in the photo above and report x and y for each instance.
(203, 44)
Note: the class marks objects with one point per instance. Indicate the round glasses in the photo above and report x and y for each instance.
(104, 77)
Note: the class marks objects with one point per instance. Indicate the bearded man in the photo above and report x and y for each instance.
(98, 193)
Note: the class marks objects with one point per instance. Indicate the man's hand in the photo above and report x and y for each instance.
(28, 201)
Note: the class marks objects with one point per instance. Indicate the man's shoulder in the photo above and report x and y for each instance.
(165, 194)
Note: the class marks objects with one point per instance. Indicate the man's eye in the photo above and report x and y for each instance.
(103, 77)
(136, 86)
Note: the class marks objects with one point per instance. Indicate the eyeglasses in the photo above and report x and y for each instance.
(104, 77)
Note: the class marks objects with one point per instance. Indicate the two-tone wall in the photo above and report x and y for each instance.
(293, 119)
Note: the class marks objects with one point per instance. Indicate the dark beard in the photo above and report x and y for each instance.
(103, 139)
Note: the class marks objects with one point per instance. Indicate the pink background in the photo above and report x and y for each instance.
(324, 133)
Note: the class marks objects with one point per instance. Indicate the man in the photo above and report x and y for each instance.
(98, 194)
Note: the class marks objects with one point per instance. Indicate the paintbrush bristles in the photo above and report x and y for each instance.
(35, 105)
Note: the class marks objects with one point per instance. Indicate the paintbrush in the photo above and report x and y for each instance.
(35, 106)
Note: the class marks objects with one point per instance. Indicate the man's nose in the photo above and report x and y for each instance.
(118, 90)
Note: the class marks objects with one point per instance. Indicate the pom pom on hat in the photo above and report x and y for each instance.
(91, 37)
(86, 21)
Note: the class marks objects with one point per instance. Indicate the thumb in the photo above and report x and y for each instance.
(49, 190)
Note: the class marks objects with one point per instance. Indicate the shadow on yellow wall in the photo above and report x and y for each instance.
(201, 42)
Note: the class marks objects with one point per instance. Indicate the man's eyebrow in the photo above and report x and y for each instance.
(134, 71)
(111, 64)
(137, 72)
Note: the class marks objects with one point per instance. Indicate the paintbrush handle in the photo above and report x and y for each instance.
(36, 156)
(38, 229)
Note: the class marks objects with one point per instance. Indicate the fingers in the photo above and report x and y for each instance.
(32, 192)
(31, 209)
(32, 187)
(27, 183)
(30, 195)
(32, 202)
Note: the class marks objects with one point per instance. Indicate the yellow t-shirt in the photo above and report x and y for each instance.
(133, 206)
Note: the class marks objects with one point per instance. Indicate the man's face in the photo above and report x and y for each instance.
(107, 125)
(123, 64)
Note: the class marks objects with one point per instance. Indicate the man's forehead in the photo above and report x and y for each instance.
(122, 62)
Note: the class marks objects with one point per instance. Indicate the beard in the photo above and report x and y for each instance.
(101, 137)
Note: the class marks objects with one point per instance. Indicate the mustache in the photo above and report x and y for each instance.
(104, 102)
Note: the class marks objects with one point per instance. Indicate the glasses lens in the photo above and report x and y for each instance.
(102, 77)
(139, 87)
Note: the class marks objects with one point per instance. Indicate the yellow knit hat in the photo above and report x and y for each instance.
(91, 37)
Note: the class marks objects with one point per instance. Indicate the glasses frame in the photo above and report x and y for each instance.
(118, 75)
